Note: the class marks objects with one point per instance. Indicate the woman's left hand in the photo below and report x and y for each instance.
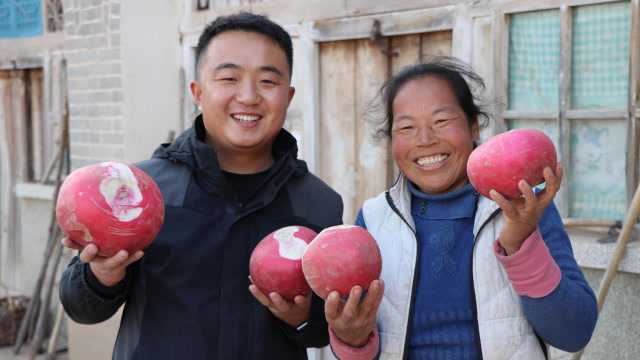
(354, 321)
(522, 215)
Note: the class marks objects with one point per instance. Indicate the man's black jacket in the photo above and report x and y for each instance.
(188, 297)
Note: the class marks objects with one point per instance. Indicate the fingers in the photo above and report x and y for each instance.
(303, 301)
(373, 299)
(66, 242)
(133, 258)
(530, 200)
(332, 306)
(504, 204)
(350, 310)
(259, 295)
(279, 304)
(117, 261)
(88, 253)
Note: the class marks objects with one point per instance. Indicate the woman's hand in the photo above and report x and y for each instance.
(354, 321)
(522, 215)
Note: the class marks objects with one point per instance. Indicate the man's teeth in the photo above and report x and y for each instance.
(430, 160)
(244, 117)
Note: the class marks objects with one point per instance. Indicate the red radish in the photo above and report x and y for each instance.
(275, 264)
(113, 205)
(507, 158)
(339, 258)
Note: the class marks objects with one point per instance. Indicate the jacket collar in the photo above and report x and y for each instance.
(191, 149)
(401, 196)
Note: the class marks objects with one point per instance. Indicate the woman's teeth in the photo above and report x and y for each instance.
(430, 160)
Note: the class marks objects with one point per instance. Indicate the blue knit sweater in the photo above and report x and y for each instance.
(443, 323)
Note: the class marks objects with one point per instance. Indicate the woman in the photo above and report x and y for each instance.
(465, 277)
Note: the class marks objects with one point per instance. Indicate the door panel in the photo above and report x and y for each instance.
(353, 160)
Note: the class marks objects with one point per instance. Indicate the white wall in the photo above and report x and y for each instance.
(151, 77)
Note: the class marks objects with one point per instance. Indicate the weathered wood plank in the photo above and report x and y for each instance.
(37, 126)
(8, 209)
(564, 125)
(633, 156)
(481, 60)
(309, 87)
(19, 124)
(435, 44)
(373, 154)
(361, 7)
(500, 69)
(406, 51)
(289, 12)
(338, 161)
(595, 114)
(391, 24)
(529, 115)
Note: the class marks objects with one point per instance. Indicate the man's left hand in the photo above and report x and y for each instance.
(293, 313)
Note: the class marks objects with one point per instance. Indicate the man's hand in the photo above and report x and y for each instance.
(354, 321)
(109, 271)
(293, 313)
(522, 215)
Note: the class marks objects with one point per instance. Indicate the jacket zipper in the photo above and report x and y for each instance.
(416, 274)
(416, 277)
(473, 285)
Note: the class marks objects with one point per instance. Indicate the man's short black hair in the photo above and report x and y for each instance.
(245, 21)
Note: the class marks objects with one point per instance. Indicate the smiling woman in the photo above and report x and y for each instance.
(463, 271)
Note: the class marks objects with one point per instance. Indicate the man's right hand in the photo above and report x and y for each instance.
(109, 271)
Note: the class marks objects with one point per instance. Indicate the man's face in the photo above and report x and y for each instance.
(244, 91)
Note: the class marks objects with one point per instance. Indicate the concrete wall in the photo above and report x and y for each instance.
(151, 74)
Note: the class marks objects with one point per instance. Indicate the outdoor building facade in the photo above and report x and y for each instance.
(568, 67)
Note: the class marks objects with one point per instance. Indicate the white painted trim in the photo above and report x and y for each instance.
(518, 6)
(32, 62)
(35, 191)
(462, 35)
(188, 68)
(309, 59)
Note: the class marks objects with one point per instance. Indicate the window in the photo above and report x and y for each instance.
(55, 15)
(568, 74)
(20, 18)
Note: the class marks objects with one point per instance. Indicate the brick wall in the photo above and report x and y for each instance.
(94, 63)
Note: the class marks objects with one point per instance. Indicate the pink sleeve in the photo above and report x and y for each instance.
(347, 352)
(532, 270)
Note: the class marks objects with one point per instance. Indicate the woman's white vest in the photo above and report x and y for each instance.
(504, 331)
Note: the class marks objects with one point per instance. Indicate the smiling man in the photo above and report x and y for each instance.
(227, 182)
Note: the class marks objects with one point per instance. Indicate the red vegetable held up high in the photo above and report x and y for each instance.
(505, 159)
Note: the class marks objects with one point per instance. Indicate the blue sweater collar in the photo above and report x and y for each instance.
(457, 204)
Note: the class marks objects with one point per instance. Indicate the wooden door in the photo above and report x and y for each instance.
(21, 136)
(352, 159)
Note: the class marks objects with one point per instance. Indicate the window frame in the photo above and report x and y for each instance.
(564, 115)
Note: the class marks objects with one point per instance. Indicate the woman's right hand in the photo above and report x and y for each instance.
(354, 321)
(109, 271)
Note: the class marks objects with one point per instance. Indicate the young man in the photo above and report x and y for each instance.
(227, 182)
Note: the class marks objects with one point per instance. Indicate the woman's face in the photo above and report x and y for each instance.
(431, 138)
